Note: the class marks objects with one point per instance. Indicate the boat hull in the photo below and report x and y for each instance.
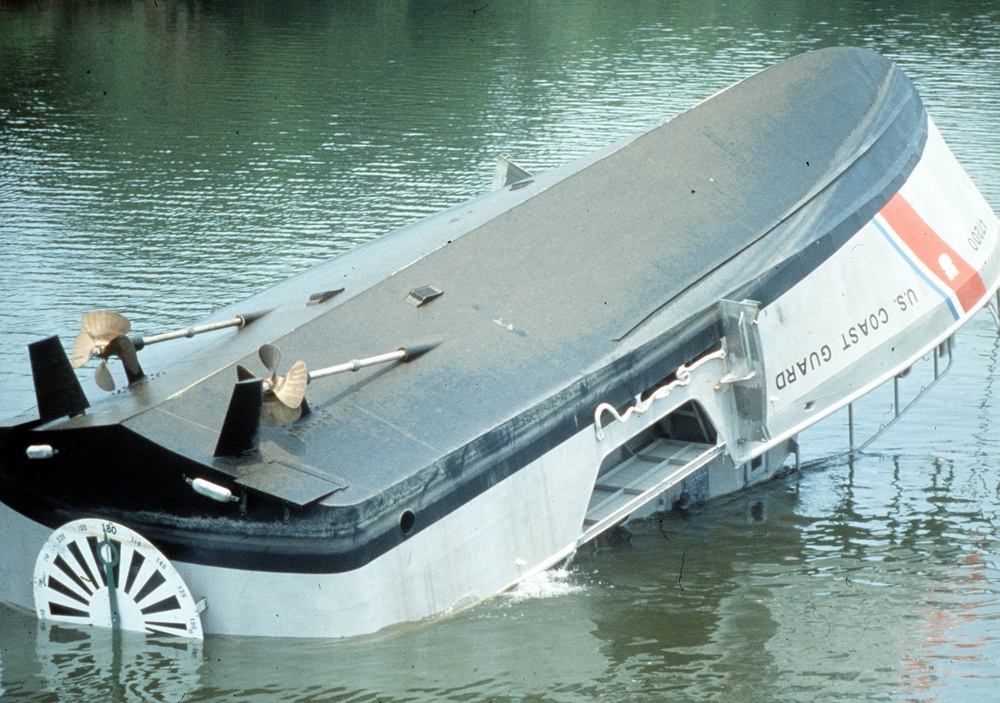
(530, 522)
(555, 410)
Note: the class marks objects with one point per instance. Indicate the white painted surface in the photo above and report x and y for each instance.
(875, 307)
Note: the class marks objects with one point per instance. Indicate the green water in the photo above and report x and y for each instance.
(166, 158)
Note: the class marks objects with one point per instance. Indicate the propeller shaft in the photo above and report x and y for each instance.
(402, 354)
(238, 321)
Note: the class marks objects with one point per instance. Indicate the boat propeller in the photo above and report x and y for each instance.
(104, 333)
(99, 329)
(284, 394)
(280, 399)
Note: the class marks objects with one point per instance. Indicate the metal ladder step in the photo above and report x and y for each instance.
(640, 479)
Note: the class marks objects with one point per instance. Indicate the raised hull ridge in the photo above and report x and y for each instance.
(646, 328)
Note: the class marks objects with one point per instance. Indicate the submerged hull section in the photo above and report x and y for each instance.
(645, 329)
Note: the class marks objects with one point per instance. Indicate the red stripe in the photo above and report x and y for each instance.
(946, 263)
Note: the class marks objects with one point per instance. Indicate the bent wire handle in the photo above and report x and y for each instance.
(683, 375)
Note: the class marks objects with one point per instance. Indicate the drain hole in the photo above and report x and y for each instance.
(407, 521)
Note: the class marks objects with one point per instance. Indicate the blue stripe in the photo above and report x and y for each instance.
(916, 267)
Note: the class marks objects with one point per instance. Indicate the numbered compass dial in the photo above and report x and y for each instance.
(94, 572)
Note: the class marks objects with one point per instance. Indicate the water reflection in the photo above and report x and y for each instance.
(96, 665)
(836, 598)
(491, 653)
(39, 661)
(953, 636)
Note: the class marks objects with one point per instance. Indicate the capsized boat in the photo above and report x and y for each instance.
(475, 396)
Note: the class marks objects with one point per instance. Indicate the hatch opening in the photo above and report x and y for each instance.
(688, 424)
(648, 465)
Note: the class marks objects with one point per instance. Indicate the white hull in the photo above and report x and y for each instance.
(884, 300)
